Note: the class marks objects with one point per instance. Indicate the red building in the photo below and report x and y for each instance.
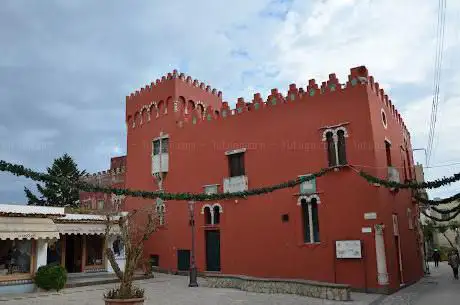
(338, 228)
(114, 177)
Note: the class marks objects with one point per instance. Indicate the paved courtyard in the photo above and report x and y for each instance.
(437, 289)
(173, 290)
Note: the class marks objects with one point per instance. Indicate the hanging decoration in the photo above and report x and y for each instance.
(20, 170)
(446, 200)
(411, 185)
(449, 218)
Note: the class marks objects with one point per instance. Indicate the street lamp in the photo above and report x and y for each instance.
(193, 272)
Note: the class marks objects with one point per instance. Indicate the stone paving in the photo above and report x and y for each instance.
(171, 290)
(439, 288)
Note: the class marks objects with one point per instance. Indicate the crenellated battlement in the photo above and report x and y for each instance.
(175, 75)
(108, 177)
(358, 77)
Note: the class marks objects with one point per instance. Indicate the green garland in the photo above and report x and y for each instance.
(411, 185)
(446, 212)
(20, 170)
(457, 212)
(438, 202)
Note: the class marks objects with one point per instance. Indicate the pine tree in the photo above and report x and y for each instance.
(54, 194)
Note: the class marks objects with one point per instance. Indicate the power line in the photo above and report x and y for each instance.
(440, 33)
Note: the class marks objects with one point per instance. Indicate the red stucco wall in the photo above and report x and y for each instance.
(283, 141)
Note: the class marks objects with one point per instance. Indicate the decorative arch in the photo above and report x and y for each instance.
(342, 128)
(168, 103)
(308, 199)
(201, 107)
(160, 107)
(218, 205)
(205, 206)
(137, 119)
(182, 103)
(191, 105)
(129, 121)
(325, 132)
(153, 111)
(212, 213)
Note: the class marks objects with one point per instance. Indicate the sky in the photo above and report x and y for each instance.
(66, 66)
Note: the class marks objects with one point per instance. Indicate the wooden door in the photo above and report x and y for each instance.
(212, 250)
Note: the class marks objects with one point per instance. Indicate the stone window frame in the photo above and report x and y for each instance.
(332, 134)
(160, 208)
(212, 211)
(308, 200)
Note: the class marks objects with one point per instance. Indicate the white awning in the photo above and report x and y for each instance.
(86, 228)
(27, 228)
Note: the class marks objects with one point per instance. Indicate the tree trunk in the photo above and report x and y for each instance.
(125, 289)
(447, 238)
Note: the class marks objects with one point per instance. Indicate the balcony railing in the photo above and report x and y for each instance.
(235, 184)
(393, 174)
(160, 163)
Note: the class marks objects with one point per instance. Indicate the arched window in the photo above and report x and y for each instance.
(341, 147)
(331, 156)
(305, 221)
(315, 219)
(336, 146)
(160, 209)
(310, 220)
(200, 109)
(216, 210)
(207, 216)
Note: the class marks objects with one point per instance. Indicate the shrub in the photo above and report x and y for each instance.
(51, 277)
(135, 293)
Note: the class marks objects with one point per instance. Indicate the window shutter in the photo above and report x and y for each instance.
(156, 147)
(164, 145)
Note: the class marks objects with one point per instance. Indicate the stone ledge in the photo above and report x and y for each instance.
(329, 291)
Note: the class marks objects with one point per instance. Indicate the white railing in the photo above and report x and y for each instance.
(393, 174)
(160, 163)
(235, 184)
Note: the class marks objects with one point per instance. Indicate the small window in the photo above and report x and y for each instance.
(388, 153)
(156, 147)
(155, 260)
(384, 119)
(236, 164)
(285, 218)
(162, 144)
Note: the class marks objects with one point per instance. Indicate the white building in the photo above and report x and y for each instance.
(34, 236)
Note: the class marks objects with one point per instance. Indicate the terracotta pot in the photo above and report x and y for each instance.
(138, 301)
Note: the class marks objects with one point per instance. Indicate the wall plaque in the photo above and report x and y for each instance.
(348, 249)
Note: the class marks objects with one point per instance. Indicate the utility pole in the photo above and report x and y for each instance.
(193, 271)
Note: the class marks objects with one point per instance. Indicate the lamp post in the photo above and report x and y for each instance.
(193, 271)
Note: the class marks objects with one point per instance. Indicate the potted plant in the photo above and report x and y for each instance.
(135, 228)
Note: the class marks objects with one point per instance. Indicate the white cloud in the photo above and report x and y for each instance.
(387, 36)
